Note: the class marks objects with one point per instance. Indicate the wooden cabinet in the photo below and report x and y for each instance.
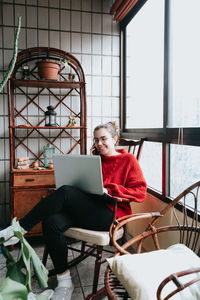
(28, 100)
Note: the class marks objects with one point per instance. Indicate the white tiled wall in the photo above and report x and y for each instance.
(82, 27)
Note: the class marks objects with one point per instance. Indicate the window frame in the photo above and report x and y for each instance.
(165, 135)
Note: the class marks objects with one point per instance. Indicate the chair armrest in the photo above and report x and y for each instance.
(117, 224)
(175, 278)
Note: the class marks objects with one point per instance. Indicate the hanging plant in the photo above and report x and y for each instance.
(13, 61)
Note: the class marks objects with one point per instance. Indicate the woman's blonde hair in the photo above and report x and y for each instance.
(111, 127)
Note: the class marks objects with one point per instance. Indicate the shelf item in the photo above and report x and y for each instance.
(28, 99)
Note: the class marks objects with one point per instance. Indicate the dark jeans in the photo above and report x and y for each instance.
(67, 207)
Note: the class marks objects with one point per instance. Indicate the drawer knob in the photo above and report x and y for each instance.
(29, 179)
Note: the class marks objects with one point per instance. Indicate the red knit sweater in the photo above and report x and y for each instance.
(122, 177)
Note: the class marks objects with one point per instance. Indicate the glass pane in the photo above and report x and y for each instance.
(144, 67)
(184, 110)
(184, 168)
(151, 164)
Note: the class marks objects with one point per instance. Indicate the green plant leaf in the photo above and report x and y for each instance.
(28, 255)
(11, 289)
(15, 272)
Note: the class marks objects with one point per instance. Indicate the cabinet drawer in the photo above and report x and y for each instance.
(25, 180)
(23, 201)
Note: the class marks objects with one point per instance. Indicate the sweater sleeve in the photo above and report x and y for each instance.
(134, 187)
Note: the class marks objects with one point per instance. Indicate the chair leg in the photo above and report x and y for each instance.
(97, 269)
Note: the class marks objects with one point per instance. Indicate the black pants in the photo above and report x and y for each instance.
(67, 207)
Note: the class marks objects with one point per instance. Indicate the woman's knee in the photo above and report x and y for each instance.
(50, 224)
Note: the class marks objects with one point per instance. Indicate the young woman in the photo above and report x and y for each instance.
(69, 207)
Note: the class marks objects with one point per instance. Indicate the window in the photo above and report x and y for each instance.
(144, 65)
(161, 91)
(184, 64)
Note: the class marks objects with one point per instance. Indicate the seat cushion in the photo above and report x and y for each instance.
(100, 238)
(141, 274)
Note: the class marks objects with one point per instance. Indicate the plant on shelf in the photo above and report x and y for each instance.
(17, 284)
(48, 68)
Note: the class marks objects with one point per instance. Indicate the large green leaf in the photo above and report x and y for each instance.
(11, 289)
(29, 255)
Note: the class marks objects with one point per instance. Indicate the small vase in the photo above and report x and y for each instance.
(48, 70)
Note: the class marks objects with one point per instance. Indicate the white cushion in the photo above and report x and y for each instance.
(142, 273)
(100, 238)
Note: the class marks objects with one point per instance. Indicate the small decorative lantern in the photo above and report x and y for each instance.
(50, 116)
(49, 150)
(25, 72)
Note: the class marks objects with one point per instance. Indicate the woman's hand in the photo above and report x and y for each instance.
(105, 190)
(93, 150)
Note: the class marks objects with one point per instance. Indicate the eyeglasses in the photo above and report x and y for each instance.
(103, 139)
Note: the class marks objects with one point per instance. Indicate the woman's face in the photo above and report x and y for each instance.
(104, 142)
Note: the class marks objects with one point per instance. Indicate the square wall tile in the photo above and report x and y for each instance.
(96, 44)
(96, 106)
(75, 21)
(22, 39)
(8, 15)
(76, 43)
(65, 20)
(2, 100)
(86, 22)
(7, 57)
(54, 3)
(115, 27)
(96, 86)
(96, 23)
(8, 37)
(115, 45)
(65, 41)
(43, 17)
(115, 86)
(106, 81)
(6, 127)
(107, 24)
(86, 5)
(96, 6)
(76, 5)
(86, 43)
(2, 154)
(96, 65)
(32, 16)
(115, 107)
(86, 64)
(107, 4)
(54, 18)
(107, 45)
(43, 2)
(116, 66)
(65, 3)
(107, 106)
(31, 38)
(54, 39)
(43, 38)
(106, 65)
(2, 173)
(20, 11)
(7, 149)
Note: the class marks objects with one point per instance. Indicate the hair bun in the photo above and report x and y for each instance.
(114, 125)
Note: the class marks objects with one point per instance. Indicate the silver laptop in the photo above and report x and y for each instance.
(81, 171)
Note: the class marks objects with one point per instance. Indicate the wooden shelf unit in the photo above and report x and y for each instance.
(28, 186)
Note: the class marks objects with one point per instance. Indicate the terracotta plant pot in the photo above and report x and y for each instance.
(48, 69)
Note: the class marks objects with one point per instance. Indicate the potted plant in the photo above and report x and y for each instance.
(17, 284)
(48, 69)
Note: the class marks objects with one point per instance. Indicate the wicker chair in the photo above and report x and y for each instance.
(186, 229)
(93, 242)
